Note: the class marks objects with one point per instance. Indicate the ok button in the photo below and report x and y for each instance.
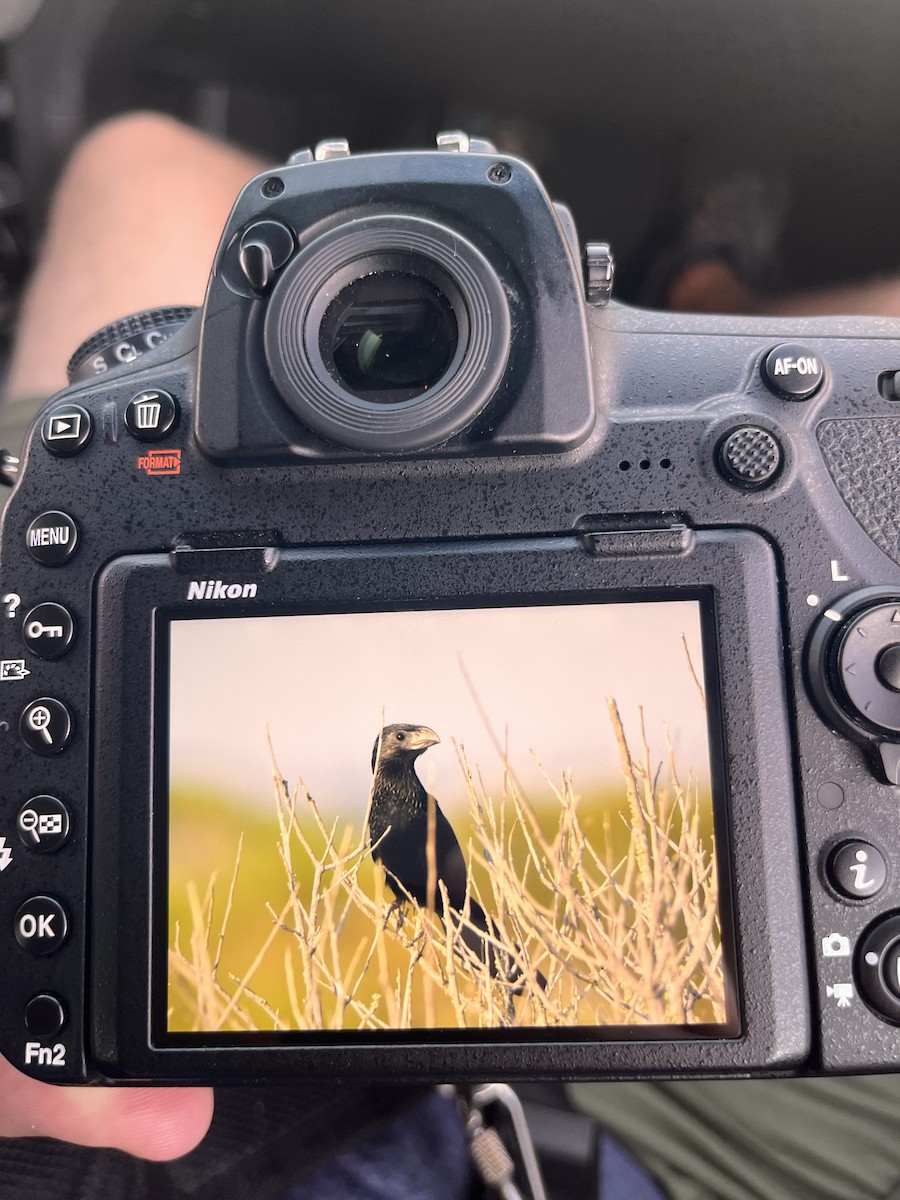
(41, 925)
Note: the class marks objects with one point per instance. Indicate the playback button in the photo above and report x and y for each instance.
(66, 429)
(48, 631)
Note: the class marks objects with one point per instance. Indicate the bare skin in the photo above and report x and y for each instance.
(152, 1123)
(134, 224)
(714, 288)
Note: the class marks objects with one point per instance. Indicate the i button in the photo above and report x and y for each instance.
(857, 870)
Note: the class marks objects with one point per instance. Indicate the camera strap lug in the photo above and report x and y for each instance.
(331, 148)
(493, 1161)
(455, 141)
(599, 270)
(9, 468)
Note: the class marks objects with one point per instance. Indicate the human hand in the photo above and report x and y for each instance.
(153, 1123)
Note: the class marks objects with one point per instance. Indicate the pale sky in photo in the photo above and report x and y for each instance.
(535, 677)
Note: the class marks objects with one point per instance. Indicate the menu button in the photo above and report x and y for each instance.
(52, 538)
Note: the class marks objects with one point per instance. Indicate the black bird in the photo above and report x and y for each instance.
(398, 833)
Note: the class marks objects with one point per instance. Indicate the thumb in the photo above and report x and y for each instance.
(153, 1123)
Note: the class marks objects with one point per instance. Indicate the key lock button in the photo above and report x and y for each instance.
(48, 631)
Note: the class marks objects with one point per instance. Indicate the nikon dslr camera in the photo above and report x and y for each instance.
(413, 665)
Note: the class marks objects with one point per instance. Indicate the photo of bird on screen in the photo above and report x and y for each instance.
(405, 821)
(510, 825)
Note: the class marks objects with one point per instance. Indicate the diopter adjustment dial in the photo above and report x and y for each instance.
(854, 671)
(123, 341)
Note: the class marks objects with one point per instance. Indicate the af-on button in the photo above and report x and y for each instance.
(52, 538)
(793, 372)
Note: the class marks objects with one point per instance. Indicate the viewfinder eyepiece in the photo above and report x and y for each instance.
(388, 336)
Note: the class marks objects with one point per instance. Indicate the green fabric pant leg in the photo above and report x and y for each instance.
(791, 1139)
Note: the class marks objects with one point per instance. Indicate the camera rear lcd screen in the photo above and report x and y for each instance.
(455, 819)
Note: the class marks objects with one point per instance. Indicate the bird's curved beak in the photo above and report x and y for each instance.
(422, 738)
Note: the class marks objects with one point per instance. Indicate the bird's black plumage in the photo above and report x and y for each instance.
(398, 833)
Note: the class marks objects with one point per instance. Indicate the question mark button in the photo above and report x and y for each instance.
(11, 602)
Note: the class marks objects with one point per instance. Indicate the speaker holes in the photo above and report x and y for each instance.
(645, 464)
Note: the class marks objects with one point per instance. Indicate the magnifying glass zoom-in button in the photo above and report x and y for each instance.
(46, 726)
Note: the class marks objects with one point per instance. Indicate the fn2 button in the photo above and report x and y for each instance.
(45, 1015)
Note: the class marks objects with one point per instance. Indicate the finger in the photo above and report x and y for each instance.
(152, 1123)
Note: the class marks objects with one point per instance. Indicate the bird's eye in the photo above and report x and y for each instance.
(401, 737)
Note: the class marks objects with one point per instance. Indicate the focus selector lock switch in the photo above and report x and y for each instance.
(878, 967)
(853, 663)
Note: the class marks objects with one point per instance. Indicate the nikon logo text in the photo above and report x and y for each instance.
(215, 589)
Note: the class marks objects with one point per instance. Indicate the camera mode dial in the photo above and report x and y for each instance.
(854, 671)
(123, 341)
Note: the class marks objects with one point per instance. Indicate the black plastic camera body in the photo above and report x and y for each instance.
(405, 411)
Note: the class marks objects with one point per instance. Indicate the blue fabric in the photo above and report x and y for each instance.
(421, 1155)
(620, 1176)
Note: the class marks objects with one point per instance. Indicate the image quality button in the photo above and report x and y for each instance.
(46, 726)
(41, 925)
(48, 630)
(51, 539)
